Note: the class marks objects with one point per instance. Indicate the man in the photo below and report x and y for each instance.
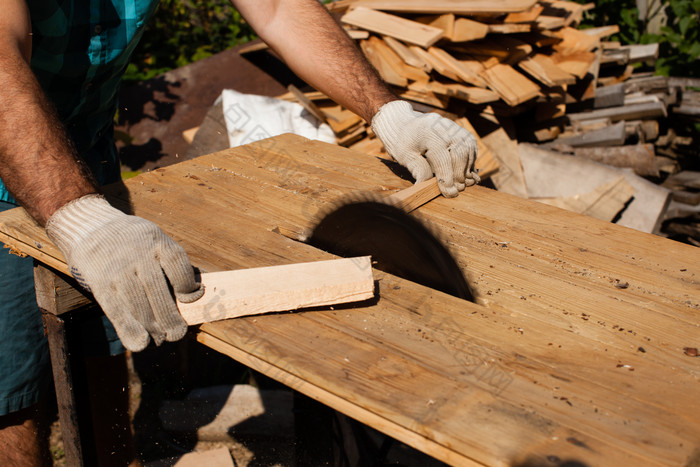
(60, 65)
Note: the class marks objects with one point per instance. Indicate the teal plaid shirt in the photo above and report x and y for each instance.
(80, 49)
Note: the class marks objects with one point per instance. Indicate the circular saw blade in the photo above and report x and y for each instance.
(398, 243)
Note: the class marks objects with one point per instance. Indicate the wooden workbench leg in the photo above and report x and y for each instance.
(68, 364)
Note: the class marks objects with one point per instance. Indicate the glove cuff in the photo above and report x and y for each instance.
(79, 218)
(389, 119)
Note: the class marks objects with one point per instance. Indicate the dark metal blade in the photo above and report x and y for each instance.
(398, 242)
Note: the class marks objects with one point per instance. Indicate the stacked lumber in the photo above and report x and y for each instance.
(520, 72)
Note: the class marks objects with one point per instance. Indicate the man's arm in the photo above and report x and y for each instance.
(318, 50)
(125, 261)
(37, 162)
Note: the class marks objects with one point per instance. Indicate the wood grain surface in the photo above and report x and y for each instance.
(574, 351)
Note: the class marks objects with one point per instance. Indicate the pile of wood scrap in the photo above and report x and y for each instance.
(563, 115)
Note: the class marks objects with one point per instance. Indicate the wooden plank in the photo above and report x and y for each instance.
(626, 112)
(416, 196)
(570, 12)
(467, 72)
(385, 70)
(407, 55)
(390, 58)
(436, 64)
(431, 99)
(639, 157)
(542, 68)
(505, 48)
(458, 7)
(527, 16)
(609, 96)
(470, 94)
(307, 104)
(577, 64)
(57, 293)
(602, 31)
(465, 29)
(574, 41)
(613, 135)
(341, 120)
(509, 28)
(245, 292)
(642, 52)
(399, 28)
(548, 22)
(513, 87)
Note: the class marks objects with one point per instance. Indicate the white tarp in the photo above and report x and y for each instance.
(251, 118)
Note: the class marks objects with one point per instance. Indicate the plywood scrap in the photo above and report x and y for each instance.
(552, 175)
(513, 87)
(603, 203)
(402, 29)
(244, 292)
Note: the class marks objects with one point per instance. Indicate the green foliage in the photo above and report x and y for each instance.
(678, 38)
(183, 31)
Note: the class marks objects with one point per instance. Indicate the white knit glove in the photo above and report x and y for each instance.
(124, 260)
(427, 144)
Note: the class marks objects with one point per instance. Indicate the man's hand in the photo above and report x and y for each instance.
(122, 260)
(428, 144)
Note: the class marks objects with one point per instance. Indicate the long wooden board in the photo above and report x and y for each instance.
(399, 28)
(458, 7)
(579, 328)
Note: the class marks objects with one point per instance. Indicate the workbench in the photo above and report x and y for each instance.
(579, 348)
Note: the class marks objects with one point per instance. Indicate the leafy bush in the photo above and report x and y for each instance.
(183, 31)
(678, 38)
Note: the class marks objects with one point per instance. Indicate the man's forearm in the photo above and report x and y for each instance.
(38, 164)
(317, 49)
